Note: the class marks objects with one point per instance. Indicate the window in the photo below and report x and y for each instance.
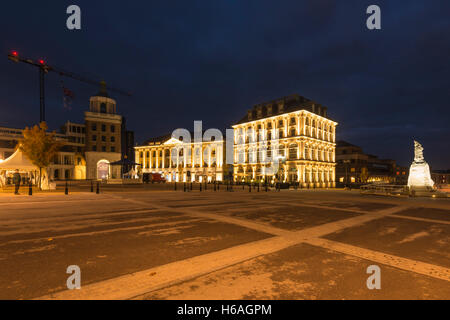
(103, 138)
(113, 139)
(280, 133)
(94, 148)
(103, 127)
(103, 107)
(113, 128)
(94, 138)
(94, 127)
(103, 149)
(113, 149)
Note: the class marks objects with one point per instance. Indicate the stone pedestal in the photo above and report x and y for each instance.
(419, 176)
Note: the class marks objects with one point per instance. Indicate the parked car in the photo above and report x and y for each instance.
(153, 178)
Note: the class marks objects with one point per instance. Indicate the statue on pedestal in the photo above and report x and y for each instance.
(419, 173)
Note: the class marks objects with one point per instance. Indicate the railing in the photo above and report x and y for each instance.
(387, 189)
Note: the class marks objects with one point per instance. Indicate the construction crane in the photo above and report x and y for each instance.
(44, 68)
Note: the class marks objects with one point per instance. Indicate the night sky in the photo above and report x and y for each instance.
(212, 60)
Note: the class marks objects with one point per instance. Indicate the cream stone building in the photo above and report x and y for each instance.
(179, 161)
(293, 131)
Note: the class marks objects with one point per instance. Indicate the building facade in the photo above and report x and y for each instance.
(87, 148)
(294, 132)
(179, 161)
(354, 167)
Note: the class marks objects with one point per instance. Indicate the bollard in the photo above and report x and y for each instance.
(184, 187)
(250, 187)
(30, 189)
(243, 186)
(200, 187)
(66, 189)
(206, 186)
(191, 186)
(92, 186)
(215, 186)
(175, 188)
(218, 186)
(267, 189)
(258, 187)
(98, 188)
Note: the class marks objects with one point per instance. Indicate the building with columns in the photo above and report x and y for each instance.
(294, 132)
(179, 161)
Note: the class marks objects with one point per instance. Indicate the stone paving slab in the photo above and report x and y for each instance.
(292, 217)
(424, 241)
(427, 213)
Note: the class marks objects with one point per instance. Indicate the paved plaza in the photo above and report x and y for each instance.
(156, 243)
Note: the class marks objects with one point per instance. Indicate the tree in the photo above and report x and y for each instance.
(39, 146)
(364, 175)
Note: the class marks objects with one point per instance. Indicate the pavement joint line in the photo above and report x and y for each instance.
(410, 265)
(420, 219)
(137, 284)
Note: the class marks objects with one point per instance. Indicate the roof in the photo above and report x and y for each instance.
(289, 104)
(18, 160)
(164, 138)
(342, 143)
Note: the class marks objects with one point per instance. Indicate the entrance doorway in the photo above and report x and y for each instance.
(102, 169)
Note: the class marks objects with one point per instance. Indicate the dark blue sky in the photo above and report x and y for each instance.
(212, 60)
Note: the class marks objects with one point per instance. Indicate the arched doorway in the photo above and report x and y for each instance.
(102, 169)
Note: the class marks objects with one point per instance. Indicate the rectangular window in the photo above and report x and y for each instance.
(113, 149)
(94, 127)
(103, 149)
(94, 148)
(113, 128)
(103, 138)
(103, 127)
(113, 139)
(94, 138)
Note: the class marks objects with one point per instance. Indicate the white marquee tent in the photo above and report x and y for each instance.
(18, 161)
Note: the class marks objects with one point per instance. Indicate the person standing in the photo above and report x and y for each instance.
(16, 181)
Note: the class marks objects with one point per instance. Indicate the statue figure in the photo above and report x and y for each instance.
(418, 153)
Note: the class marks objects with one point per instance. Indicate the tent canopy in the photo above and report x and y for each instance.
(18, 161)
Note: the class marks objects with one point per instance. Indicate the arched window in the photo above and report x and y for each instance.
(103, 107)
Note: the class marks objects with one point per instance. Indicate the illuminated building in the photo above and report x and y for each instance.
(294, 129)
(179, 161)
(356, 167)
